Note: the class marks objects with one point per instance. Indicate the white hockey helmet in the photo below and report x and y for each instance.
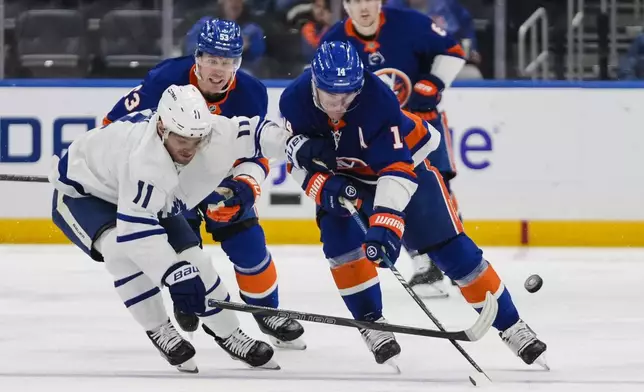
(184, 111)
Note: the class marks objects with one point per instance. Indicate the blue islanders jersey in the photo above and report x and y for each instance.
(246, 97)
(374, 138)
(402, 50)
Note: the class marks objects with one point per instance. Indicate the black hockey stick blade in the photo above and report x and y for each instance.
(22, 178)
(476, 332)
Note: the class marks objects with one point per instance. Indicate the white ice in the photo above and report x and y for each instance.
(62, 327)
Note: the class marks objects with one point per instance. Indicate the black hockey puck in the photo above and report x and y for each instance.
(533, 283)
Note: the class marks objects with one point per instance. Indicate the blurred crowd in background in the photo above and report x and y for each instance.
(122, 38)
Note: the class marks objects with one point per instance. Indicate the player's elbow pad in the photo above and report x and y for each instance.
(394, 192)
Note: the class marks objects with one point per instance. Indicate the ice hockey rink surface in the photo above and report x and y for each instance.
(63, 327)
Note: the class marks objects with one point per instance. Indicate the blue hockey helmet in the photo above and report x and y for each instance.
(221, 38)
(337, 68)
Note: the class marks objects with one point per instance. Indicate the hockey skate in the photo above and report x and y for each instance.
(427, 280)
(282, 332)
(175, 349)
(523, 342)
(382, 344)
(240, 346)
(187, 322)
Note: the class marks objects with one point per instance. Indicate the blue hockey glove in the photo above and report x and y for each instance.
(384, 236)
(426, 94)
(186, 287)
(239, 194)
(327, 189)
(316, 154)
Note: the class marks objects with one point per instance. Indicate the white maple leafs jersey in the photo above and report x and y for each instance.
(125, 163)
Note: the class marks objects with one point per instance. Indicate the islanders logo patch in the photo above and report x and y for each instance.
(397, 81)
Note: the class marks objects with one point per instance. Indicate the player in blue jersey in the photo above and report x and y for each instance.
(214, 70)
(381, 167)
(417, 60)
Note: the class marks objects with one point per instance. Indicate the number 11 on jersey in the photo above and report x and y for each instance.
(397, 140)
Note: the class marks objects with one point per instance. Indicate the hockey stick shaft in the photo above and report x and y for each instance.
(340, 321)
(22, 178)
(358, 219)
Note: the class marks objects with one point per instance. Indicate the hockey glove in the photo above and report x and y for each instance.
(239, 194)
(384, 236)
(327, 189)
(314, 155)
(186, 287)
(426, 94)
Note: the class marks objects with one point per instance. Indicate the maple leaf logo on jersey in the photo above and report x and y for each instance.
(398, 82)
(178, 206)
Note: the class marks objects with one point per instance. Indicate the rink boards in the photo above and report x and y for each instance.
(556, 164)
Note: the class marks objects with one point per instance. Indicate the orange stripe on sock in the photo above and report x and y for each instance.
(259, 283)
(354, 273)
(488, 281)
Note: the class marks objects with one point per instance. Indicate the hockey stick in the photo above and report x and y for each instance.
(358, 219)
(475, 332)
(22, 178)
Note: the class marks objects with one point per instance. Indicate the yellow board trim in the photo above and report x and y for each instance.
(484, 233)
(586, 233)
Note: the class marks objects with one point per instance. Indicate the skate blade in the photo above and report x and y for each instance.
(297, 344)
(189, 366)
(393, 364)
(431, 291)
(541, 361)
(270, 365)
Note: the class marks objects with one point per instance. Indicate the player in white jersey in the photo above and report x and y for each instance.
(120, 191)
